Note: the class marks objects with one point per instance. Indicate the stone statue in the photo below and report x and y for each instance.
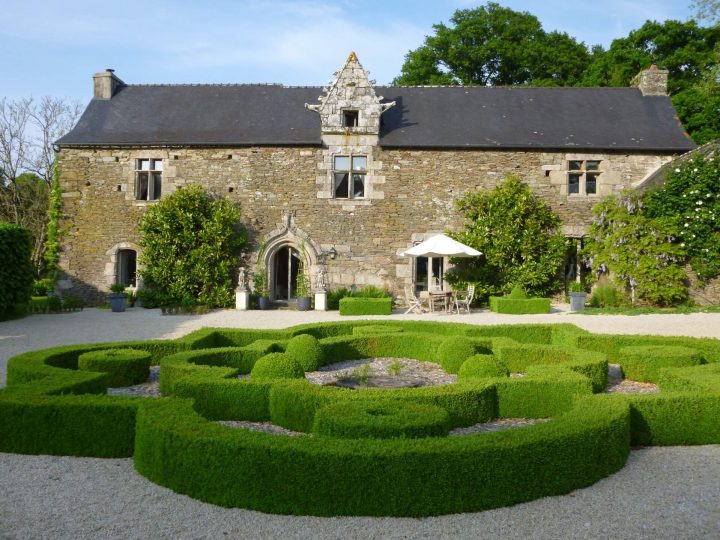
(242, 279)
(321, 279)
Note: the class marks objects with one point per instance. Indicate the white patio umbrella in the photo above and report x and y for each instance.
(441, 246)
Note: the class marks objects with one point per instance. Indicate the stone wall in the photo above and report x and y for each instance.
(419, 189)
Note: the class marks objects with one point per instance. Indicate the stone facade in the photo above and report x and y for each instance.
(287, 197)
(277, 189)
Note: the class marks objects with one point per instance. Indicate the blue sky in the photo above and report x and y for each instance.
(51, 47)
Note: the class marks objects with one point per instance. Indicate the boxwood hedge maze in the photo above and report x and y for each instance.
(367, 451)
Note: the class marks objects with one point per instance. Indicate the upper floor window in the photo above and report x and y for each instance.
(349, 177)
(583, 177)
(350, 118)
(148, 179)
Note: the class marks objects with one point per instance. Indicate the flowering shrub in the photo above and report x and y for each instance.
(690, 198)
(639, 251)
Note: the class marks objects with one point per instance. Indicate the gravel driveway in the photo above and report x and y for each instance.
(671, 492)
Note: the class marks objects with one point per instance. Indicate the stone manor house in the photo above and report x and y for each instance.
(348, 176)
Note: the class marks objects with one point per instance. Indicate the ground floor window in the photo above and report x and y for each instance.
(127, 267)
(429, 273)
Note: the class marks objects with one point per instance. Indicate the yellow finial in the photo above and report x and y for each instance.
(352, 57)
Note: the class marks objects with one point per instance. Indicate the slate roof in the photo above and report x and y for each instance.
(424, 117)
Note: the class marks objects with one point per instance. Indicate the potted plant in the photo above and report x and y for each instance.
(260, 282)
(577, 294)
(117, 297)
(302, 288)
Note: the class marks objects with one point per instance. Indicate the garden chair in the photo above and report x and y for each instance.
(464, 299)
(412, 301)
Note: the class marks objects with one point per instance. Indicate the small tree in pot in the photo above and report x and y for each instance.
(577, 294)
(117, 297)
(260, 283)
(302, 288)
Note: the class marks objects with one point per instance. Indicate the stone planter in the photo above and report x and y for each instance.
(303, 303)
(118, 302)
(577, 300)
(263, 302)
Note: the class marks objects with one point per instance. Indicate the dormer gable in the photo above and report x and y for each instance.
(349, 104)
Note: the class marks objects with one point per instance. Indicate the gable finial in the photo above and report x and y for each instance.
(353, 57)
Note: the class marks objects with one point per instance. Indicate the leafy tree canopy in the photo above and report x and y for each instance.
(519, 237)
(191, 242)
(493, 45)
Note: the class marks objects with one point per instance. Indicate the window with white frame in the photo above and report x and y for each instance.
(349, 177)
(583, 176)
(148, 179)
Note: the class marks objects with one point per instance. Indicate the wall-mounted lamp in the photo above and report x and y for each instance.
(56, 148)
(332, 253)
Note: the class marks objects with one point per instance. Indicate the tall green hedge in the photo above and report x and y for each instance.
(16, 269)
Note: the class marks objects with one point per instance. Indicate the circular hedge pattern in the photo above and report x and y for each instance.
(124, 367)
(358, 419)
(51, 407)
(482, 366)
(643, 363)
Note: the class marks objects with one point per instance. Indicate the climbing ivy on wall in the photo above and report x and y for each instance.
(640, 252)
(690, 199)
(52, 242)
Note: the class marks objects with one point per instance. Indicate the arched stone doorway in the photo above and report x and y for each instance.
(283, 273)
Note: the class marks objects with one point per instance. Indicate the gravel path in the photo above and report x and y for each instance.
(670, 492)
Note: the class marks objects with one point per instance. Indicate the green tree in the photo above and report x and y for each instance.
(519, 237)
(493, 45)
(638, 251)
(687, 51)
(191, 242)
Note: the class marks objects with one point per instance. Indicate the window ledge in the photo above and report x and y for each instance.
(145, 203)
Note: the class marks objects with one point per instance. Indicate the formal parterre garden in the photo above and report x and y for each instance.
(367, 451)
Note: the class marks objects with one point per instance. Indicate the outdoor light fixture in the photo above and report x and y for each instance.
(332, 253)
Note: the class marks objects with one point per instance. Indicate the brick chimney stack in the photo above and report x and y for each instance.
(105, 83)
(651, 81)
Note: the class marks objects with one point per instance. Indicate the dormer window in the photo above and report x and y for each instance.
(349, 177)
(350, 118)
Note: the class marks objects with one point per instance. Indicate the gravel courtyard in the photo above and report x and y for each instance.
(670, 492)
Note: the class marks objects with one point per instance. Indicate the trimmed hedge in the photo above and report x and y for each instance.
(482, 366)
(16, 270)
(177, 448)
(453, 351)
(123, 367)
(306, 351)
(381, 419)
(643, 362)
(276, 366)
(373, 329)
(518, 306)
(176, 445)
(365, 306)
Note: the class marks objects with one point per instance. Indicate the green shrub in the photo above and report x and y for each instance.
(72, 302)
(369, 291)
(482, 366)
(276, 366)
(381, 420)
(41, 287)
(453, 351)
(365, 306)
(606, 295)
(642, 363)
(124, 367)
(519, 306)
(517, 293)
(16, 270)
(306, 351)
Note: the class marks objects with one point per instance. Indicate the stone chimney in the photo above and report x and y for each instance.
(105, 84)
(651, 81)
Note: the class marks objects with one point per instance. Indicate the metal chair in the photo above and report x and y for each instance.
(412, 301)
(463, 300)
